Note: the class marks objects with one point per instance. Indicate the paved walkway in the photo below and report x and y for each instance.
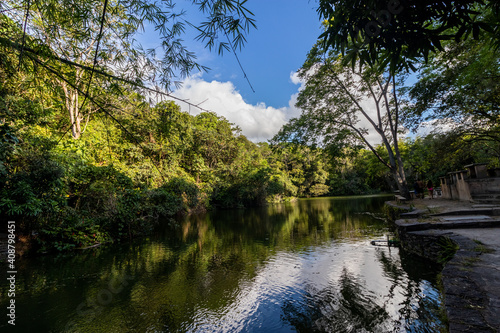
(443, 206)
(487, 270)
(472, 278)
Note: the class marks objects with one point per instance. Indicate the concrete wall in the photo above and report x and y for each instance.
(470, 184)
(455, 186)
(485, 185)
(425, 244)
(463, 189)
(445, 188)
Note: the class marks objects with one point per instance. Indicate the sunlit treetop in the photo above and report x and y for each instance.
(400, 33)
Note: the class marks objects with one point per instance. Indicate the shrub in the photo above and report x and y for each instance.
(70, 231)
(162, 203)
(185, 189)
(33, 189)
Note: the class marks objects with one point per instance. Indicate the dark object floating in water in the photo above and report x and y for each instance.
(390, 242)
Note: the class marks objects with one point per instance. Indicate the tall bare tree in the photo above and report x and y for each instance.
(343, 106)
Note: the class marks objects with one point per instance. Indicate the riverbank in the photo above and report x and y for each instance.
(464, 237)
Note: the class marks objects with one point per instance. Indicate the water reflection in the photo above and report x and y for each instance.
(306, 266)
(354, 302)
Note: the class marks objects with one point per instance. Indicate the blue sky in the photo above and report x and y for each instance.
(286, 31)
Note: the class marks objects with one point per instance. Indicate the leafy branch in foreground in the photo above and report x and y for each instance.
(401, 33)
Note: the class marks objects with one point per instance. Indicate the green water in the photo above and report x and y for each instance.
(307, 266)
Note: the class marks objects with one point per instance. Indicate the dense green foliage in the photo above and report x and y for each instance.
(127, 172)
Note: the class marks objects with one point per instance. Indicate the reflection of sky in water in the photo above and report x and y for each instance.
(308, 287)
(306, 266)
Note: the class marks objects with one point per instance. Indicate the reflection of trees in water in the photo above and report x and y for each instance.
(420, 306)
(343, 307)
(297, 225)
(347, 306)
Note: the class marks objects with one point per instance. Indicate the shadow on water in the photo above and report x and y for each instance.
(305, 266)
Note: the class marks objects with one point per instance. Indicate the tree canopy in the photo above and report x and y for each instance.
(399, 33)
(461, 84)
(81, 31)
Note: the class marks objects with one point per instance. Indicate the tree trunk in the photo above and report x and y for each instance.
(402, 178)
(75, 118)
(401, 182)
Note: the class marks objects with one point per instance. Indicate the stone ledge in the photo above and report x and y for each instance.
(467, 302)
(468, 306)
(408, 225)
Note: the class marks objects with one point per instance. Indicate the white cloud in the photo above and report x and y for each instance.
(294, 77)
(372, 137)
(434, 126)
(257, 122)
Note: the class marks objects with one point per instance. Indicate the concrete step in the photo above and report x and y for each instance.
(487, 198)
(489, 194)
(491, 210)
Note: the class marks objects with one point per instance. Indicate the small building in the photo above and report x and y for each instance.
(475, 183)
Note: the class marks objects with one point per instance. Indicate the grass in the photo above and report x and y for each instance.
(424, 219)
(482, 248)
(443, 315)
(433, 210)
(448, 249)
(468, 262)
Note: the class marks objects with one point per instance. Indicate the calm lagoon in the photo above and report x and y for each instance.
(306, 266)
